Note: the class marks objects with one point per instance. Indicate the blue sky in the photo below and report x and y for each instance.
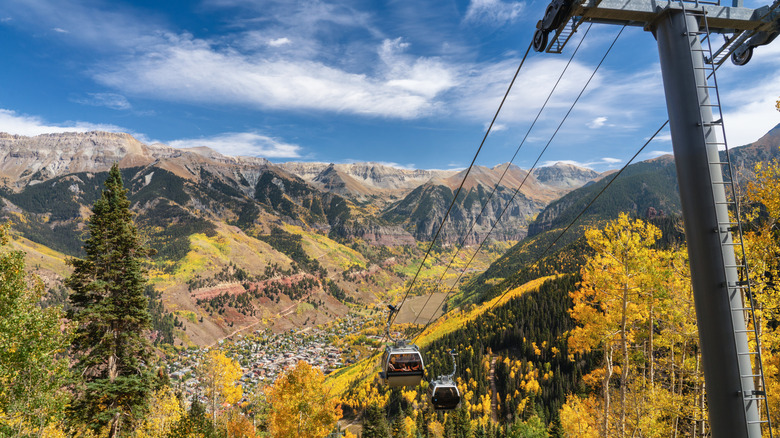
(412, 84)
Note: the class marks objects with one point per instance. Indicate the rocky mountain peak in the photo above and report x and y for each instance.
(372, 175)
(30, 160)
(565, 175)
(26, 160)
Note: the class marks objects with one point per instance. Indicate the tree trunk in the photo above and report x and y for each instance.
(701, 412)
(113, 430)
(680, 385)
(605, 385)
(652, 346)
(624, 368)
(213, 401)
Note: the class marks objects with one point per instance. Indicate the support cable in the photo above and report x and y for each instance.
(572, 222)
(422, 263)
(517, 190)
(495, 188)
(541, 256)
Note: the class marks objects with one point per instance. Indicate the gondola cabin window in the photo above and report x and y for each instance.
(404, 362)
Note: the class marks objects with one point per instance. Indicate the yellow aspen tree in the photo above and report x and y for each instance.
(578, 418)
(31, 343)
(301, 406)
(435, 429)
(238, 425)
(218, 375)
(607, 305)
(762, 244)
(164, 411)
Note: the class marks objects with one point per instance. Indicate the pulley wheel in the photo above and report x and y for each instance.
(540, 40)
(743, 58)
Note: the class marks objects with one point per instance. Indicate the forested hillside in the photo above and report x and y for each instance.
(576, 356)
(587, 333)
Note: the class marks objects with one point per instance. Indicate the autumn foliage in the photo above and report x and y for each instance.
(301, 405)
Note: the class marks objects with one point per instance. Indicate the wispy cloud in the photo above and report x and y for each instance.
(598, 122)
(108, 100)
(182, 68)
(60, 30)
(751, 111)
(104, 27)
(617, 99)
(409, 166)
(27, 125)
(278, 42)
(380, 79)
(656, 154)
(604, 162)
(496, 127)
(493, 12)
(243, 144)
(666, 137)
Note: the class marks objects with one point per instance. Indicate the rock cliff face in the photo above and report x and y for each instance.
(498, 202)
(333, 180)
(31, 160)
(565, 176)
(27, 160)
(374, 177)
(376, 234)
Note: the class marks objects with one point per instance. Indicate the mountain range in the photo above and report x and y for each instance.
(241, 240)
(371, 201)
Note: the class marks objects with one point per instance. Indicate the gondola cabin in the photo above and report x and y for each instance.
(443, 394)
(402, 365)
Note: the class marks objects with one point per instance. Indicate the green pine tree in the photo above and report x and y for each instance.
(195, 424)
(462, 422)
(110, 349)
(375, 423)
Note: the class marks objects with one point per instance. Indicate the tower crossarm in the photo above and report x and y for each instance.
(745, 28)
(645, 12)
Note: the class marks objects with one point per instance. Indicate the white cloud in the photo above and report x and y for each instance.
(656, 154)
(417, 75)
(243, 144)
(108, 100)
(496, 127)
(480, 95)
(598, 122)
(26, 125)
(143, 58)
(751, 111)
(393, 164)
(409, 166)
(493, 12)
(608, 161)
(181, 68)
(105, 27)
(278, 42)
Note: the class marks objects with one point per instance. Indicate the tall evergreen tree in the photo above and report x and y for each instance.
(110, 349)
(374, 423)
